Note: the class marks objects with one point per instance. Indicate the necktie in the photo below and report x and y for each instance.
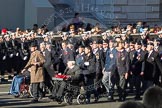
(119, 54)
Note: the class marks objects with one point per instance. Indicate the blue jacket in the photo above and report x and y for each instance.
(110, 63)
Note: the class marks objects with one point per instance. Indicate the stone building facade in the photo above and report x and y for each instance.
(24, 13)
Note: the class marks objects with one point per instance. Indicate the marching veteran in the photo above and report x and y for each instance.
(35, 64)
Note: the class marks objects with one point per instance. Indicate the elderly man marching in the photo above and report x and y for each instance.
(35, 64)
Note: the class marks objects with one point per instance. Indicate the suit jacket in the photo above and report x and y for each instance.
(48, 63)
(136, 65)
(131, 56)
(67, 55)
(122, 62)
(99, 60)
(2, 50)
(90, 69)
(104, 54)
(110, 63)
(36, 72)
(151, 65)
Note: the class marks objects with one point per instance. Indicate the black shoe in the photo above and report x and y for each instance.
(34, 100)
(121, 99)
(110, 98)
(96, 99)
(40, 98)
(87, 101)
(10, 77)
(59, 100)
(4, 80)
(17, 96)
(137, 98)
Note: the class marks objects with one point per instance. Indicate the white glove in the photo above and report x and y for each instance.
(11, 55)
(17, 54)
(86, 63)
(59, 74)
(4, 58)
(25, 58)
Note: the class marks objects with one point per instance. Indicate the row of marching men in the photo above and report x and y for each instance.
(110, 62)
(117, 64)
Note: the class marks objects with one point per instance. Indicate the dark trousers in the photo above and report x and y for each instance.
(37, 90)
(48, 80)
(61, 89)
(121, 86)
(98, 82)
(89, 86)
(137, 83)
(56, 85)
(147, 84)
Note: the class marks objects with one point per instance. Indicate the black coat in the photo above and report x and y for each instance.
(48, 63)
(67, 55)
(91, 68)
(151, 66)
(136, 64)
(99, 60)
(75, 73)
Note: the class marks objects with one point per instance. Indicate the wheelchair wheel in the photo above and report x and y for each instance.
(25, 94)
(60, 100)
(81, 99)
(68, 98)
(24, 91)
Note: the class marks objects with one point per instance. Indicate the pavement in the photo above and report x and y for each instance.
(9, 101)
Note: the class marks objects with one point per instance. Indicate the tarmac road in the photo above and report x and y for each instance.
(8, 101)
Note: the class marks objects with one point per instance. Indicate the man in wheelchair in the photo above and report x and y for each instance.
(74, 77)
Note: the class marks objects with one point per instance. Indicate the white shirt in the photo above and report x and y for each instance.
(150, 53)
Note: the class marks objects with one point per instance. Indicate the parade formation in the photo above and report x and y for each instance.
(96, 60)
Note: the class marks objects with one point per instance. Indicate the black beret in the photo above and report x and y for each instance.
(138, 43)
(33, 44)
(100, 42)
(96, 41)
(105, 41)
(81, 46)
(132, 42)
(150, 43)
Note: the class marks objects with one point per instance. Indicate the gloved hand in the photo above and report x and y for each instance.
(69, 78)
(86, 63)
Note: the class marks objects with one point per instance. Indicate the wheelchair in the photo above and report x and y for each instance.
(20, 86)
(71, 92)
(25, 88)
